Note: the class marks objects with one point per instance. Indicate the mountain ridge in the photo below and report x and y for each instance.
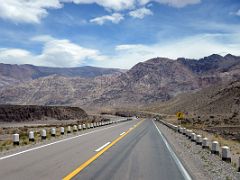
(157, 79)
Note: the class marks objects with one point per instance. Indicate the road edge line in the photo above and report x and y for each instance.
(182, 169)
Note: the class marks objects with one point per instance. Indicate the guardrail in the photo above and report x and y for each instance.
(214, 146)
(69, 129)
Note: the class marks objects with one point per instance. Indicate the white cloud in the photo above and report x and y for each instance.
(26, 11)
(116, 5)
(114, 18)
(64, 53)
(140, 13)
(15, 56)
(32, 11)
(238, 13)
(55, 52)
(178, 3)
(127, 55)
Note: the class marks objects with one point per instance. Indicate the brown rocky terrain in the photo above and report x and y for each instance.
(215, 109)
(213, 100)
(12, 74)
(19, 113)
(158, 79)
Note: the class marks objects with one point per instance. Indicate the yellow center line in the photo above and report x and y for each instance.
(93, 158)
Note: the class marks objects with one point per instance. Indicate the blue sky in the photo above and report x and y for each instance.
(119, 33)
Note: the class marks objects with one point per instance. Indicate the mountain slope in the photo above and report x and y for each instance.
(216, 99)
(21, 73)
(158, 79)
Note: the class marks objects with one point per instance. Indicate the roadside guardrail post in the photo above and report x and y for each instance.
(205, 143)
(31, 136)
(79, 127)
(199, 140)
(69, 129)
(16, 139)
(226, 155)
(75, 128)
(53, 132)
(215, 148)
(193, 137)
(43, 134)
(62, 130)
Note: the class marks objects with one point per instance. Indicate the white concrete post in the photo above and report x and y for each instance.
(62, 130)
(84, 126)
(226, 154)
(184, 131)
(193, 137)
(88, 126)
(205, 143)
(53, 132)
(189, 134)
(199, 140)
(91, 125)
(215, 148)
(69, 129)
(15, 139)
(79, 127)
(31, 136)
(44, 134)
(74, 128)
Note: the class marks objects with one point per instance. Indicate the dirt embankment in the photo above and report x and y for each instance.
(22, 113)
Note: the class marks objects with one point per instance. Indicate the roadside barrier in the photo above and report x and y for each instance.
(69, 129)
(43, 134)
(53, 132)
(204, 142)
(62, 130)
(193, 137)
(16, 139)
(215, 148)
(31, 136)
(79, 127)
(75, 128)
(199, 140)
(226, 155)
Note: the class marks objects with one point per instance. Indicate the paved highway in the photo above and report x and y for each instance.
(130, 150)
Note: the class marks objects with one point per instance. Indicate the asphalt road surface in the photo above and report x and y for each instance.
(130, 150)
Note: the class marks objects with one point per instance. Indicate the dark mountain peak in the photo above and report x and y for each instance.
(230, 56)
(158, 60)
(214, 56)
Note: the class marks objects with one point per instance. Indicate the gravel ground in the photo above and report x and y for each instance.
(200, 162)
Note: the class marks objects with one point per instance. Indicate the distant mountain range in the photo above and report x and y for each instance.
(158, 79)
(12, 74)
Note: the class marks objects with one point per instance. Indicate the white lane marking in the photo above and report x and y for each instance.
(103, 146)
(174, 156)
(56, 142)
(122, 133)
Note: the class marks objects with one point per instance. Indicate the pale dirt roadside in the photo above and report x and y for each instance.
(201, 163)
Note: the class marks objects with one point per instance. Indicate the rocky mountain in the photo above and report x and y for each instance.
(12, 74)
(158, 79)
(215, 99)
(17, 113)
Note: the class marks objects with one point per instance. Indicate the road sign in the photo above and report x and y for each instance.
(180, 115)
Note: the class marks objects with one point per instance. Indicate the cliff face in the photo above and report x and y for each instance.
(14, 113)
